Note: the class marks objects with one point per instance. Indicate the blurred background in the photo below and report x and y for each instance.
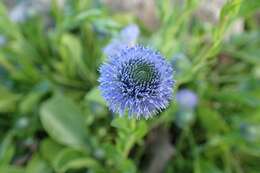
(53, 119)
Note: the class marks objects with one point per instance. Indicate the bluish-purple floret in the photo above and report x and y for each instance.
(130, 34)
(186, 98)
(137, 80)
(2, 40)
(126, 38)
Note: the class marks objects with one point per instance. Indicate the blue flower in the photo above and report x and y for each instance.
(186, 98)
(2, 40)
(127, 37)
(19, 13)
(130, 34)
(137, 80)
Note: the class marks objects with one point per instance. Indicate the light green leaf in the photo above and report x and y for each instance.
(30, 101)
(211, 120)
(63, 121)
(71, 159)
(248, 7)
(8, 100)
(7, 149)
(11, 169)
(37, 165)
(49, 149)
(95, 96)
(205, 166)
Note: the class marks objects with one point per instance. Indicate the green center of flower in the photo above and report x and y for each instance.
(143, 73)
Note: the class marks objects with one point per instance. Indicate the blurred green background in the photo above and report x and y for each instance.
(53, 119)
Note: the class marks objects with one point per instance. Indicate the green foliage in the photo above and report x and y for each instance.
(54, 120)
(63, 122)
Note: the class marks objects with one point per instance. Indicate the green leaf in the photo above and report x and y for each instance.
(30, 101)
(127, 166)
(72, 53)
(49, 149)
(85, 15)
(205, 166)
(122, 163)
(11, 169)
(211, 120)
(248, 7)
(129, 132)
(7, 149)
(64, 122)
(8, 100)
(71, 159)
(6, 26)
(37, 165)
(122, 123)
(230, 8)
(141, 130)
(238, 97)
(95, 96)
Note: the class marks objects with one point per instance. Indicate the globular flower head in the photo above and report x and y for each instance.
(127, 37)
(130, 34)
(2, 40)
(19, 13)
(186, 98)
(137, 80)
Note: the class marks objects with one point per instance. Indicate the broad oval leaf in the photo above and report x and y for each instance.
(63, 121)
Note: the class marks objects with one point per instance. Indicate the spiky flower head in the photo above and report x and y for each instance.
(137, 80)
